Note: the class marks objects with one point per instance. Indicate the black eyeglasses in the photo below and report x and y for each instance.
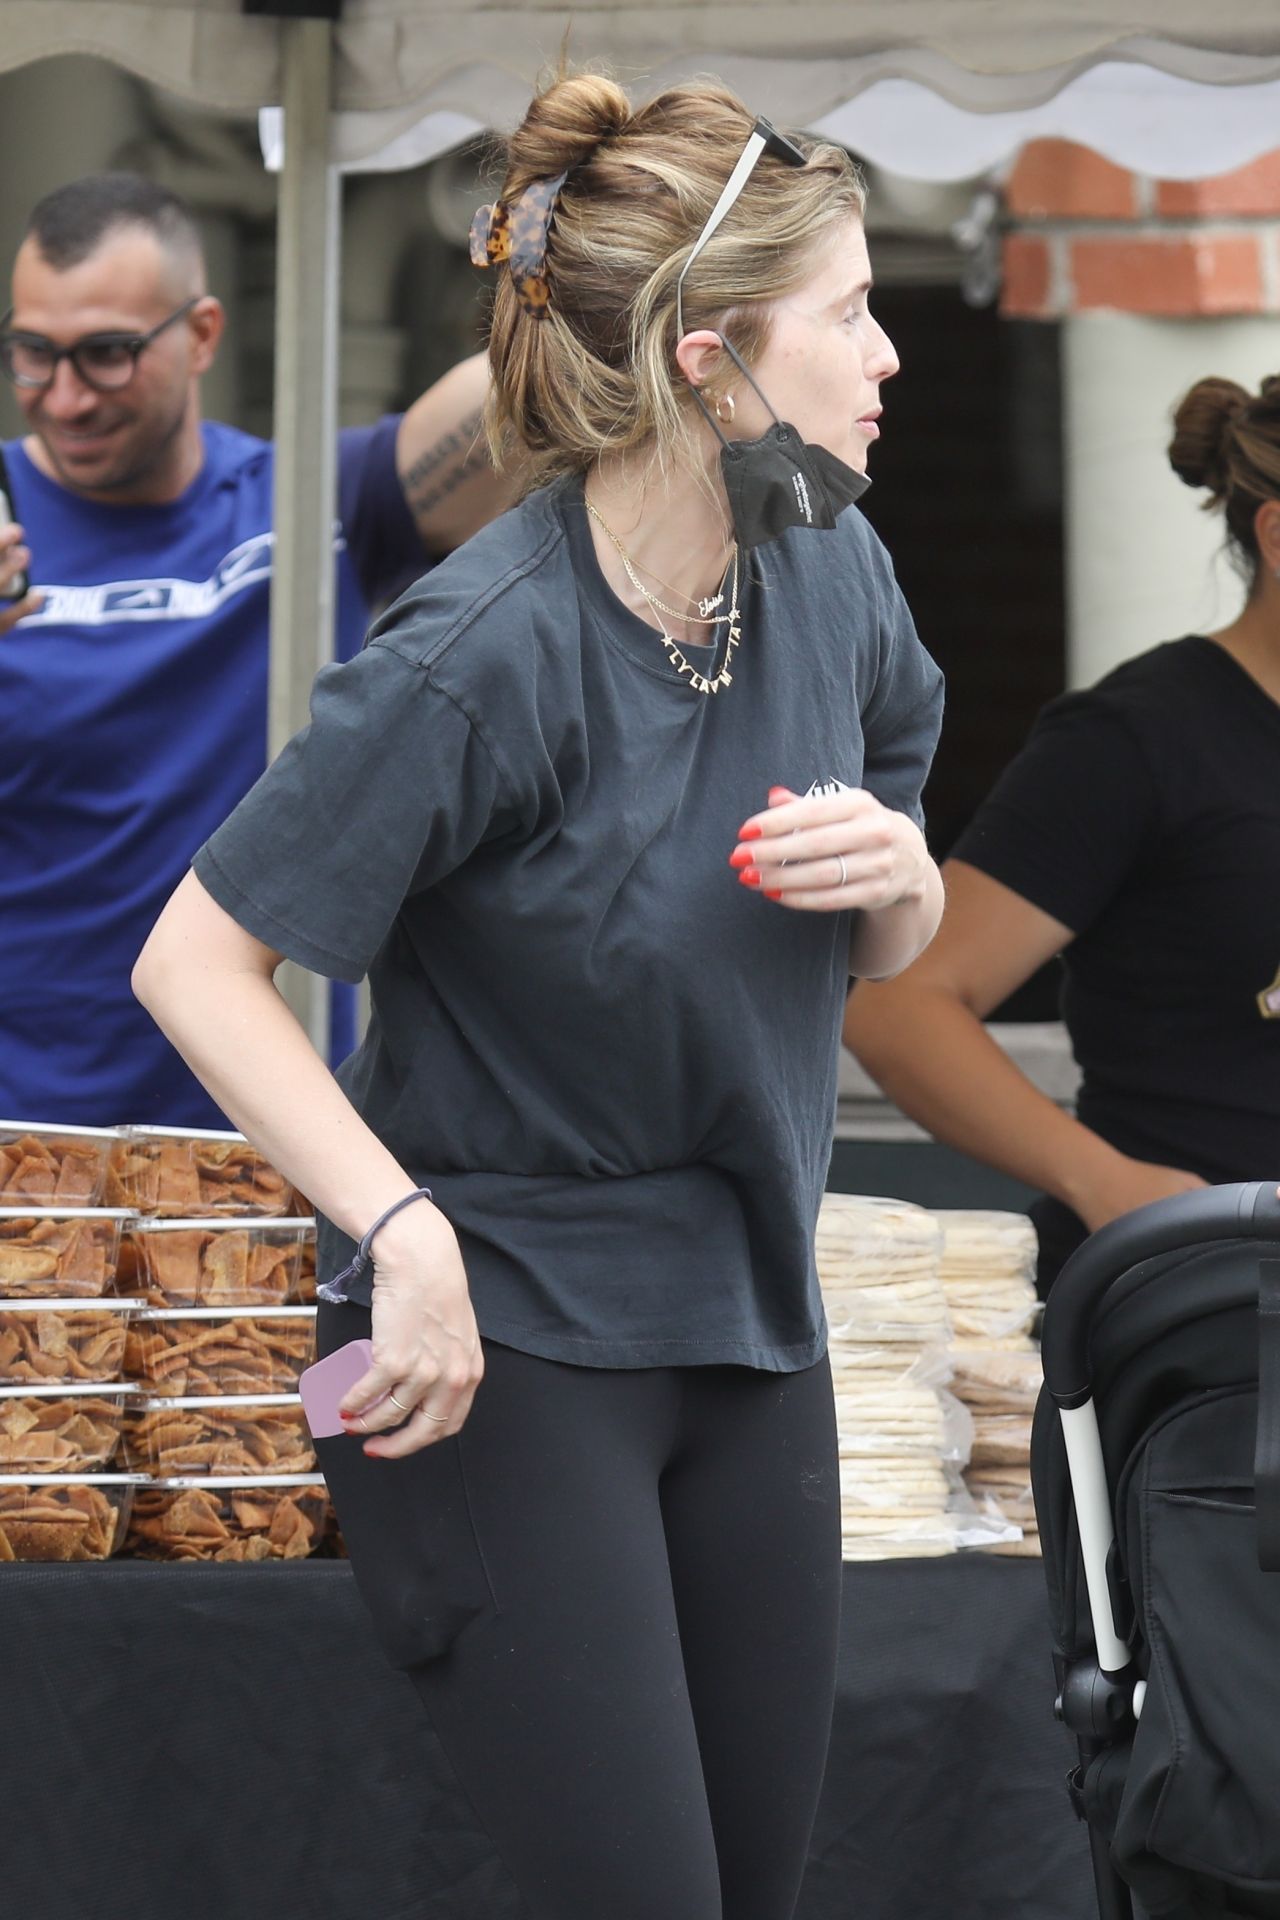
(104, 361)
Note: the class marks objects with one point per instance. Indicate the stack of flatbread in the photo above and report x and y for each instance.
(901, 1438)
(988, 1273)
(878, 1262)
(999, 1382)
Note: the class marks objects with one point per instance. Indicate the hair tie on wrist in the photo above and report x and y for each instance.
(334, 1291)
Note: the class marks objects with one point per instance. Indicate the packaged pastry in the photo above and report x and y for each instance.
(206, 1350)
(43, 1341)
(186, 1174)
(50, 1166)
(275, 1517)
(235, 1434)
(59, 1252)
(214, 1262)
(56, 1517)
(61, 1429)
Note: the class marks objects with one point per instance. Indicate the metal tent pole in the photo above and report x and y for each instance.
(305, 424)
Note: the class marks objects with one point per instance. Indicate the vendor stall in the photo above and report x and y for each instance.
(230, 1741)
(152, 1422)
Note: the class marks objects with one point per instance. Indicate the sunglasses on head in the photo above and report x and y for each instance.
(764, 138)
(515, 232)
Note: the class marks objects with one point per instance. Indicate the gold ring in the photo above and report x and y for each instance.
(399, 1403)
(441, 1419)
(844, 872)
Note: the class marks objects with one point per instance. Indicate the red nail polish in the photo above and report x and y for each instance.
(750, 876)
(752, 831)
(780, 793)
(741, 857)
(772, 896)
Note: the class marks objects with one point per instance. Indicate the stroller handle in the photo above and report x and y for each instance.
(1247, 1210)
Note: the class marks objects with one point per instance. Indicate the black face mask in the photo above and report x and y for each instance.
(781, 481)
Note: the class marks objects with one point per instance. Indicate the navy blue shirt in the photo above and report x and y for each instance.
(133, 717)
(614, 1066)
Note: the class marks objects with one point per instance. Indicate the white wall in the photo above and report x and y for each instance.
(1144, 562)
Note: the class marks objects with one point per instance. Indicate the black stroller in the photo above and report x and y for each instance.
(1156, 1468)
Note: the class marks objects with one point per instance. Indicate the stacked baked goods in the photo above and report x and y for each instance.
(156, 1310)
(223, 1265)
(902, 1436)
(988, 1275)
(62, 1340)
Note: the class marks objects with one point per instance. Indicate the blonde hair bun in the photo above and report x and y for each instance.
(563, 127)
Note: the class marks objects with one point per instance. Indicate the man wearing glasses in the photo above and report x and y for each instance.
(133, 672)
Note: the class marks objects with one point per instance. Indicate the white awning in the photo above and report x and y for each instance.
(394, 59)
(1153, 122)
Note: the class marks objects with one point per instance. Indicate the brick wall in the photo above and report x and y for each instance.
(1084, 234)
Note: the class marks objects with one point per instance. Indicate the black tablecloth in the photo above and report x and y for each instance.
(185, 1742)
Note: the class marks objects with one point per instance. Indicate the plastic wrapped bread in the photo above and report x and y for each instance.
(878, 1265)
(903, 1436)
(1000, 1386)
(988, 1270)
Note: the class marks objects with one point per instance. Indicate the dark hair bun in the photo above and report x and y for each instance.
(563, 127)
(1202, 428)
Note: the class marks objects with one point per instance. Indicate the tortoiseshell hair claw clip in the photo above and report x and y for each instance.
(517, 234)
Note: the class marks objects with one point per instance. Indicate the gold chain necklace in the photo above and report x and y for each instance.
(698, 681)
(705, 606)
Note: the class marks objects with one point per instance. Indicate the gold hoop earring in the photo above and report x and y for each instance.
(725, 400)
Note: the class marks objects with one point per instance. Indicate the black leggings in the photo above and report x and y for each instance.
(617, 1593)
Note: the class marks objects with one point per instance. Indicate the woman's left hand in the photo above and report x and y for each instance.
(832, 852)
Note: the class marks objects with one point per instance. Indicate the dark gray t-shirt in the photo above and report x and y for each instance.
(614, 1066)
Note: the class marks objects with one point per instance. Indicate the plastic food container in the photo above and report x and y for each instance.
(54, 1517)
(62, 1429)
(50, 1166)
(43, 1341)
(214, 1263)
(305, 1290)
(193, 1351)
(59, 1252)
(277, 1517)
(189, 1175)
(252, 1434)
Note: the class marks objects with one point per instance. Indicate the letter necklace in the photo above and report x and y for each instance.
(698, 681)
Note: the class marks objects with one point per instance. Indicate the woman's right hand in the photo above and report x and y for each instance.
(1123, 1184)
(426, 1345)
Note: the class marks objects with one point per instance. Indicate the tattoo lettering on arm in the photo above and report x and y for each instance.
(447, 464)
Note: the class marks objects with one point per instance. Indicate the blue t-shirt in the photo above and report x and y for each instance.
(133, 718)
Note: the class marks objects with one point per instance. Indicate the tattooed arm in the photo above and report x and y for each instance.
(443, 461)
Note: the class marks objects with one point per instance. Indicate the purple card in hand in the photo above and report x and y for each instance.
(324, 1386)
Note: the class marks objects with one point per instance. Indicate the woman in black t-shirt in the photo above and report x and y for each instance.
(1137, 835)
(608, 807)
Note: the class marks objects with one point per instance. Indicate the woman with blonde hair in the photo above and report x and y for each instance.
(608, 809)
(1137, 835)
